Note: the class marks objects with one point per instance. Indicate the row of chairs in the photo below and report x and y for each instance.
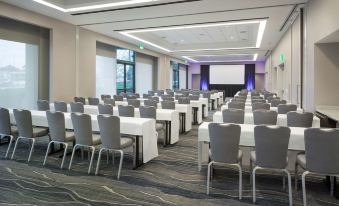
(294, 119)
(271, 146)
(282, 108)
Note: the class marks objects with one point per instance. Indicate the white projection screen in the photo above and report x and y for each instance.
(227, 74)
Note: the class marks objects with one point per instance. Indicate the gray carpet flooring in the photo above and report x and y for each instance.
(170, 179)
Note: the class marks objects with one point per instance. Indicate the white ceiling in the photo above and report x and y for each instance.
(173, 13)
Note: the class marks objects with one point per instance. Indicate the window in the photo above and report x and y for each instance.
(105, 75)
(19, 63)
(125, 71)
(175, 79)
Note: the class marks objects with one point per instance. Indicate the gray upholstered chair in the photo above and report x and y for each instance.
(265, 117)
(296, 119)
(155, 99)
(258, 101)
(93, 101)
(6, 130)
(168, 105)
(271, 145)
(284, 108)
(184, 100)
(118, 98)
(109, 101)
(224, 149)
(256, 106)
(60, 106)
(123, 94)
(235, 116)
(151, 103)
(270, 98)
(131, 97)
(43, 105)
(160, 92)
(151, 93)
(84, 137)
(151, 113)
(58, 133)
(80, 99)
(170, 93)
(168, 99)
(112, 141)
(105, 109)
(23, 119)
(194, 97)
(268, 95)
(105, 96)
(134, 102)
(126, 111)
(146, 96)
(164, 95)
(77, 107)
(276, 102)
(321, 156)
(236, 105)
(177, 96)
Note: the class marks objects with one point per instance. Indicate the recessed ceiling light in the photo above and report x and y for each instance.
(97, 6)
(202, 34)
(232, 37)
(243, 32)
(244, 39)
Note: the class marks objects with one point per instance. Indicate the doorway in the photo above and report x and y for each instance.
(196, 81)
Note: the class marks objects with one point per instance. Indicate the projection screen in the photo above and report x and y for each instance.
(227, 74)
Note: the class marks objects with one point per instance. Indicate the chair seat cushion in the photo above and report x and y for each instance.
(69, 136)
(125, 142)
(301, 160)
(239, 158)
(96, 139)
(40, 131)
(159, 126)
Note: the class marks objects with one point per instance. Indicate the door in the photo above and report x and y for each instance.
(125, 78)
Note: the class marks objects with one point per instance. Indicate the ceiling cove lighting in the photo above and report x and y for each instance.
(98, 6)
(261, 30)
(255, 57)
(190, 59)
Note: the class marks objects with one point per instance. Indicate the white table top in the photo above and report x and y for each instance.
(128, 125)
(281, 120)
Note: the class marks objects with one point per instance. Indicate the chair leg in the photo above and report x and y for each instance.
(9, 145)
(92, 157)
(284, 182)
(31, 151)
(120, 164)
(253, 183)
(107, 157)
(289, 186)
(251, 168)
(134, 156)
(70, 162)
(208, 177)
(98, 163)
(15, 146)
(240, 182)
(46, 155)
(296, 176)
(303, 182)
(332, 185)
(64, 157)
(113, 157)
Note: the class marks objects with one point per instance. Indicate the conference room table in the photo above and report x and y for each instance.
(143, 129)
(281, 119)
(170, 117)
(296, 141)
(248, 109)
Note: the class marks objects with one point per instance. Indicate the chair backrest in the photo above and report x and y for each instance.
(123, 94)
(170, 93)
(151, 93)
(43, 105)
(23, 119)
(296, 119)
(224, 142)
(5, 123)
(126, 111)
(137, 95)
(265, 117)
(118, 98)
(105, 109)
(105, 96)
(177, 96)
(155, 99)
(184, 100)
(194, 97)
(93, 101)
(256, 106)
(77, 107)
(82, 125)
(236, 105)
(80, 99)
(258, 101)
(276, 102)
(131, 97)
(160, 92)
(268, 95)
(109, 101)
(168, 99)
(60, 106)
(270, 98)
(271, 145)
(148, 112)
(56, 124)
(134, 102)
(151, 103)
(146, 96)
(284, 108)
(168, 105)
(235, 116)
(321, 147)
(109, 131)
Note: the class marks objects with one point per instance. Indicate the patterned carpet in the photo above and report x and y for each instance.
(170, 179)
